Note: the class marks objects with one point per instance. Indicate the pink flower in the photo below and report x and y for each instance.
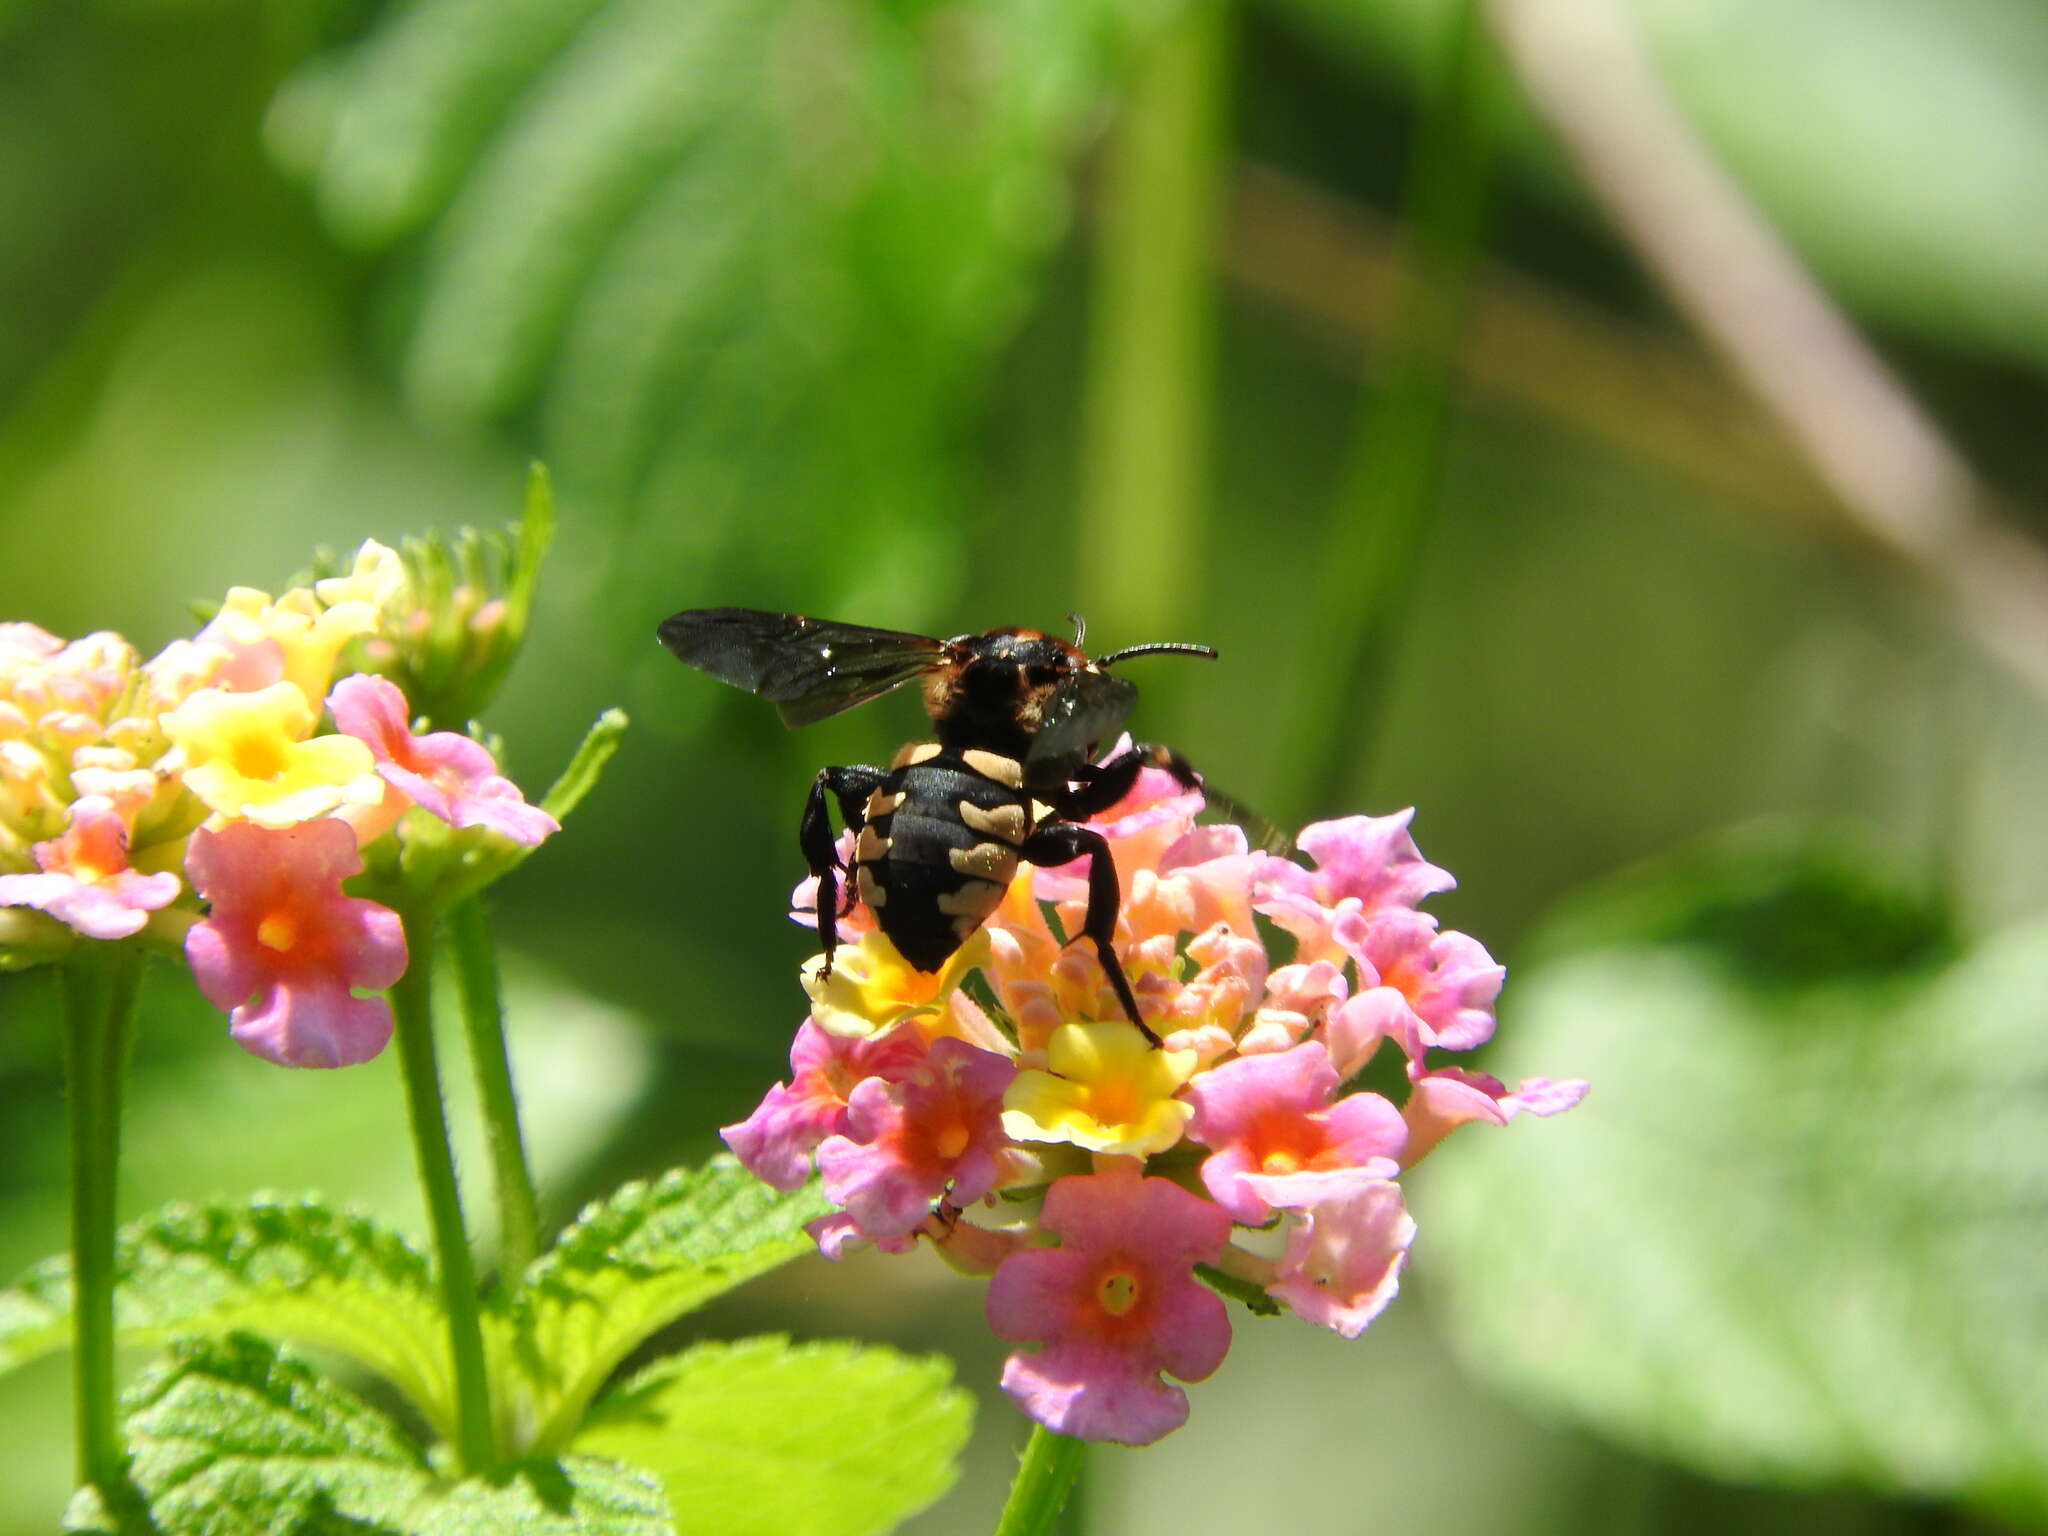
(1441, 1101)
(1343, 1262)
(1433, 990)
(775, 1141)
(838, 1234)
(1372, 859)
(444, 773)
(937, 1131)
(1277, 1136)
(1365, 866)
(1308, 990)
(1113, 1306)
(85, 880)
(282, 932)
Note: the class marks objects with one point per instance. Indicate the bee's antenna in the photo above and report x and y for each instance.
(1080, 628)
(1158, 647)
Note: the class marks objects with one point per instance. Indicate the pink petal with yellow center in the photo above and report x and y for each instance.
(445, 773)
(283, 948)
(775, 1141)
(1114, 1306)
(86, 882)
(1270, 1119)
(936, 1131)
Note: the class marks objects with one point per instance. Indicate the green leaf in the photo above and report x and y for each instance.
(1231, 1288)
(758, 254)
(1795, 1234)
(599, 743)
(536, 536)
(293, 1270)
(826, 1439)
(480, 860)
(233, 1438)
(631, 1265)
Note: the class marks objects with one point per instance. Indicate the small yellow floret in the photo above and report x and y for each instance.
(376, 578)
(246, 756)
(872, 985)
(1109, 1090)
(307, 636)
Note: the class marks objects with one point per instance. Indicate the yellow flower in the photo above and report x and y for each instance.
(872, 985)
(376, 578)
(1109, 1090)
(246, 754)
(308, 637)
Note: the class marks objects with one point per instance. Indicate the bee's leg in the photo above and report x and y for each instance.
(1098, 786)
(851, 787)
(1062, 843)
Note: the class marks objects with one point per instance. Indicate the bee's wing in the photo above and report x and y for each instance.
(809, 668)
(1088, 708)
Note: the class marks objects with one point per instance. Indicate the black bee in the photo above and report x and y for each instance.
(940, 832)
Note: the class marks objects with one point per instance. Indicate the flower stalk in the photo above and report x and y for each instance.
(412, 1007)
(100, 983)
(1045, 1477)
(483, 1020)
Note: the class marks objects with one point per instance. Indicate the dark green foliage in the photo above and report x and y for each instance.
(1775, 911)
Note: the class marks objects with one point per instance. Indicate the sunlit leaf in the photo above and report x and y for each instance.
(756, 255)
(764, 1436)
(1794, 1236)
(630, 1266)
(288, 1269)
(230, 1438)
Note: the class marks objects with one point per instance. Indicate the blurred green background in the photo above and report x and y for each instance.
(947, 315)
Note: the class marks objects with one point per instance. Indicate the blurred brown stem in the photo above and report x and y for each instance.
(1812, 428)
(1892, 480)
(1337, 266)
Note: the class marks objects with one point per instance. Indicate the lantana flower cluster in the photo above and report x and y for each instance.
(1115, 1191)
(215, 798)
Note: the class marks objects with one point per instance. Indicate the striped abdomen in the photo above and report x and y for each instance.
(940, 847)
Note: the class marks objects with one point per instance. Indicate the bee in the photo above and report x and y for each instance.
(939, 833)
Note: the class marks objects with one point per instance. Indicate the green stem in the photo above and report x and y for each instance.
(1149, 359)
(100, 984)
(1045, 1475)
(483, 1019)
(412, 1005)
(1376, 529)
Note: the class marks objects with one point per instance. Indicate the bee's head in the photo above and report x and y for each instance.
(992, 690)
